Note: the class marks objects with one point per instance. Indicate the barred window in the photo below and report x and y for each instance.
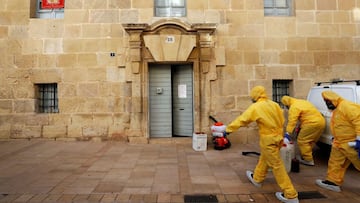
(47, 98)
(170, 8)
(278, 7)
(280, 89)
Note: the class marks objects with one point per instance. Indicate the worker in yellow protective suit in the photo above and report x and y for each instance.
(270, 119)
(345, 127)
(312, 124)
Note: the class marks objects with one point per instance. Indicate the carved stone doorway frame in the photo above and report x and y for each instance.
(169, 41)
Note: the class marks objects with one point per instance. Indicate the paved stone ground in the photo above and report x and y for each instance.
(60, 171)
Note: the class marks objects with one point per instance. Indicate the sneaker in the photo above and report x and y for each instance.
(328, 185)
(249, 175)
(281, 197)
(307, 163)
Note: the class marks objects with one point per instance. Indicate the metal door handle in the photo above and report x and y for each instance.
(181, 109)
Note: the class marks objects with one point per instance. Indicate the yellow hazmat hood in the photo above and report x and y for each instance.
(258, 92)
(286, 100)
(332, 96)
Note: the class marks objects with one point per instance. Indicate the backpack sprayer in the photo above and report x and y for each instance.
(218, 132)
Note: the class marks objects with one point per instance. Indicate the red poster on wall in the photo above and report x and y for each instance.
(49, 4)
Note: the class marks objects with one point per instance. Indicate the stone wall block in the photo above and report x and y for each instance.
(326, 4)
(66, 60)
(96, 105)
(253, 5)
(103, 119)
(269, 57)
(303, 17)
(302, 87)
(74, 4)
(136, 106)
(72, 46)
(88, 89)
(50, 75)
(71, 104)
(97, 74)
(73, 16)
(118, 133)
(122, 119)
(32, 46)
(72, 31)
(24, 106)
(53, 46)
(95, 131)
(118, 105)
(224, 103)
(129, 16)
(280, 27)
(251, 57)
(282, 72)
(26, 61)
(87, 60)
(287, 57)
(47, 61)
(74, 131)
(304, 57)
(66, 90)
(6, 106)
(123, 4)
(305, 5)
(54, 131)
(21, 131)
(74, 75)
(319, 43)
(104, 16)
(95, 4)
(244, 101)
(83, 119)
(138, 140)
(38, 119)
(5, 131)
(275, 44)
(59, 119)
(324, 17)
(4, 32)
(234, 57)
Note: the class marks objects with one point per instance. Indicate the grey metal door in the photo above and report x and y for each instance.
(170, 100)
(182, 100)
(160, 124)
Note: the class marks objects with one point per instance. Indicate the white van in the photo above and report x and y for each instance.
(349, 90)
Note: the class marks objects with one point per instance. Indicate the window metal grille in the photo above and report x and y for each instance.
(278, 7)
(48, 98)
(170, 8)
(280, 89)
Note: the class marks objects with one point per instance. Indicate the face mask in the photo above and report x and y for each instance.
(330, 105)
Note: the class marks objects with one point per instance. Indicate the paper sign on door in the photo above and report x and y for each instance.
(182, 91)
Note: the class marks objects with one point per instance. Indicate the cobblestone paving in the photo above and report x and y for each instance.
(60, 171)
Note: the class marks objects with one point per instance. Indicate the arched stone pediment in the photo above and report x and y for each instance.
(176, 24)
(170, 39)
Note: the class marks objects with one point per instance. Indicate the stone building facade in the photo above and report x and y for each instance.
(100, 52)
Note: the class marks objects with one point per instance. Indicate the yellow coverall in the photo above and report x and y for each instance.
(345, 126)
(270, 119)
(312, 124)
